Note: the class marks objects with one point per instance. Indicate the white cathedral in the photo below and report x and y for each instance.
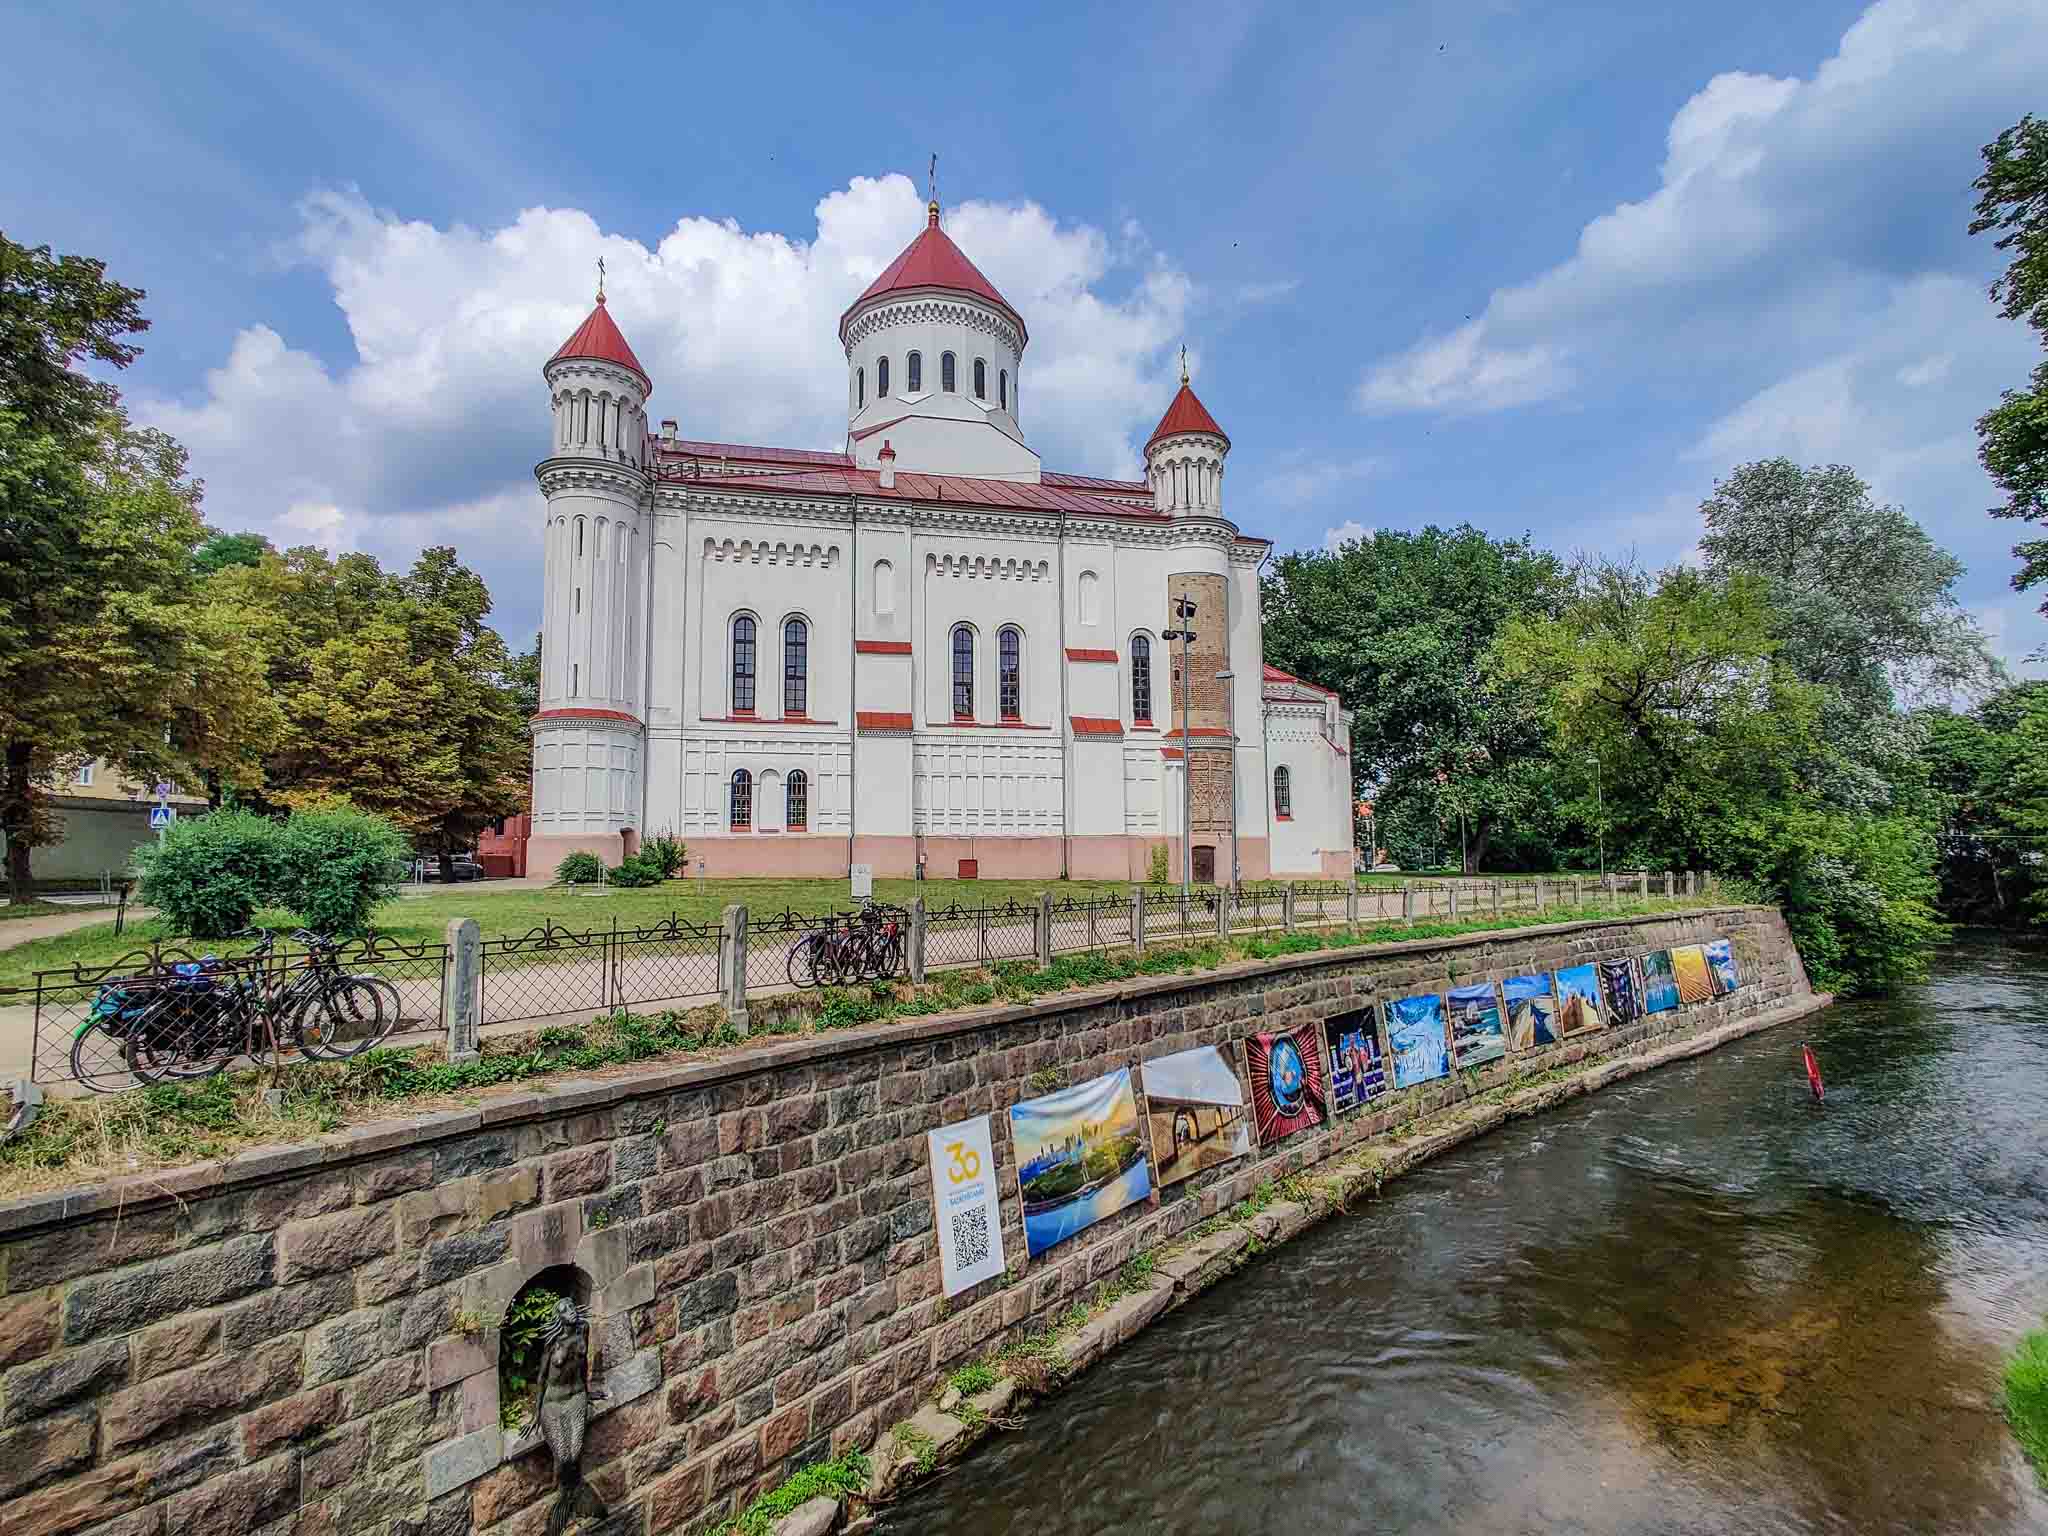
(925, 653)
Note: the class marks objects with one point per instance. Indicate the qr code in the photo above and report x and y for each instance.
(970, 1236)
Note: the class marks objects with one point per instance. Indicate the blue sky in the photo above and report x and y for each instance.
(1549, 268)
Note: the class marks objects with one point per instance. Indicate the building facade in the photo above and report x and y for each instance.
(923, 652)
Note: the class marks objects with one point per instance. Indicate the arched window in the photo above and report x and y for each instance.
(881, 378)
(913, 372)
(1091, 597)
(1283, 794)
(860, 388)
(1141, 679)
(796, 667)
(1010, 673)
(743, 665)
(1003, 389)
(885, 587)
(948, 381)
(742, 799)
(963, 673)
(980, 379)
(579, 538)
(797, 808)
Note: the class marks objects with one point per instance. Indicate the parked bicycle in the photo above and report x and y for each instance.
(197, 1018)
(867, 946)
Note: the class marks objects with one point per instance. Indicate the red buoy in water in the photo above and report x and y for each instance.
(1820, 1091)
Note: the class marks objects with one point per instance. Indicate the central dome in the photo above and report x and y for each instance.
(933, 263)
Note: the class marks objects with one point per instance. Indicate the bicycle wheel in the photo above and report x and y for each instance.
(891, 947)
(347, 1015)
(803, 960)
(180, 1041)
(99, 1059)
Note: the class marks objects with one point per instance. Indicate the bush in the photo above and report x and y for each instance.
(668, 854)
(579, 869)
(637, 871)
(209, 875)
(337, 866)
(1159, 873)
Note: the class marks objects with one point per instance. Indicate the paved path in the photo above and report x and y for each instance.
(26, 930)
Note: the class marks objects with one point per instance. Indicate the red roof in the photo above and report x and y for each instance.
(1095, 725)
(1186, 414)
(746, 453)
(932, 260)
(1275, 675)
(882, 720)
(960, 490)
(599, 338)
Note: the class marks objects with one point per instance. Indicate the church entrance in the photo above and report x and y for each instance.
(1205, 865)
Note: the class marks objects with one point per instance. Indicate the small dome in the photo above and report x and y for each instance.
(1186, 414)
(599, 339)
(932, 260)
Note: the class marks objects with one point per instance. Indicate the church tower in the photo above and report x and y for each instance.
(1184, 457)
(597, 481)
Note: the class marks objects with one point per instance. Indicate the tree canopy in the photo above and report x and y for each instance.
(2012, 437)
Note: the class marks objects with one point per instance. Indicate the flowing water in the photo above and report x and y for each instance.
(1693, 1303)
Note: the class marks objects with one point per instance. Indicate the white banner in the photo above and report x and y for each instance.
(965, 1208)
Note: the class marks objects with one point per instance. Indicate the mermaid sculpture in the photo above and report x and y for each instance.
(563, 1409)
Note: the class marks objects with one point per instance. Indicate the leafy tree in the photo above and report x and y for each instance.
(523, 676)
(55, 313)
(210, 874)
(1399, 624)
(225, 549)
(2012, 437)
(1988, 770)
(1862, 601)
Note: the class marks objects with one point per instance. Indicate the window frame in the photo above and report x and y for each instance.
(860, 389)
(796, 666)
(949, 373)
(1141, 678)
(1010, 674)
(743, 664)
(1003, 389)
(981, 378)
(1283, 793)
(913, 372)
(960, 656)
(881, 378)
(739, 801)
(796, 801)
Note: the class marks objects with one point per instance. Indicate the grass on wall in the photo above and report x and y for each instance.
(2026, 1398)
(76, 1140)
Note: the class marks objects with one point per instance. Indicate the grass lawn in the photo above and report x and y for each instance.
(515, 910)
(15, 909)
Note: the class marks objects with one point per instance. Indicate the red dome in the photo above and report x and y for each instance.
(932, 260)
(1186, 414)
(599, 338)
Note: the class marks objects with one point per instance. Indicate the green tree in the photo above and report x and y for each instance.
(225, 549)
(1399, 624)
(523, 674)
(1862, 601)
(2012, 437)
(55, 313)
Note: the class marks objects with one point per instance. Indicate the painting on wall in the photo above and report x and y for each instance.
(1287, 1084)
(1195, 1111)
(1578, 1000)
(1622, 981)
(1721, 967)
(1358, 1072)
(1660, 983)
(1532, 1011)
(1477, 1035)
(1418, 1038)
(1689, 965)
(1080, 1157)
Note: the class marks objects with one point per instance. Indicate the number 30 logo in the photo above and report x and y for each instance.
(966, 1162)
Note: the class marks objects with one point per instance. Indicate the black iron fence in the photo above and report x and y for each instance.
(550, 971)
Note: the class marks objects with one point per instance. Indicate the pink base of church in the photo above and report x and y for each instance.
(800, 856)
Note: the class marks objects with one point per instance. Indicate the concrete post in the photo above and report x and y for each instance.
(917, 933)
(1351, 906)
(1287, 908)
(1539, 893)
(1138, 920)
(1496, 898)
(1043, 924)
(460, 1001)
(1224, 896)
(1688, 882)
(1578, 895)
(732, 966)
(1408, 903)
(1455, 884)
(1643, 884)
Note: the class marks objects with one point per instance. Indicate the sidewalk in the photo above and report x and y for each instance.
(26, 930)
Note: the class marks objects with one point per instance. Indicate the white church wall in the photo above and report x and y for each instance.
(771, 574)
(988, 585)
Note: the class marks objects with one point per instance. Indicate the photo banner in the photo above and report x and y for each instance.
(968, 1210)
(1286, 1071)
(1420, 1039)
(1532, 1011)
(1081, 1156)
(1358, 1072)
(1196, 1112)
(1477, 1035)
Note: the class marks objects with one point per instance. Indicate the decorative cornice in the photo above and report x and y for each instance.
(565, 472)
(986, 567)
(593, 719)
(889, 312)
(762, 552)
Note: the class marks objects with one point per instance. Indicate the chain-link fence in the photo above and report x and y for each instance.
(551, 971)
(957, 935)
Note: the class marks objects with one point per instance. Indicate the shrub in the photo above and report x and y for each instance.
(209, 875)
(637, 871)
(1159, 873)
(668, 854)
(579, 869)
(337, 866)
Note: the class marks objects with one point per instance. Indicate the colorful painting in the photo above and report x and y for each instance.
(1287, 1084)
(1080, 1157)
(1358, 1072)
(1721, 967)
(1532, 1011)
(1194, 1107)
(1660, 983)
(1622, 981)
(1477, 1035)
(1419, 1039)
(1689, 965)
(1578, 1000)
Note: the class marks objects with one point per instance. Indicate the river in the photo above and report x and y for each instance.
(1693, 1303)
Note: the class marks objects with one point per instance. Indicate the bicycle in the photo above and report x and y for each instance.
(869, 944)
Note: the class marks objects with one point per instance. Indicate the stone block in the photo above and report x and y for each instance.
(40, 1451)
(459, 1358)
(679, 1496)
(344, 1346)
(442, 1210)
(547, 1237)
(322, 1245)
(273, 1205)
(73, 1503)
(391, 1177)
(499, 1194)
(185, 1400)
(240, 1501)
(705, 1300)
(583, 1171)
(292, 1309)
(89, 1247)
(28, 1327)
(605, 1255)
(511, 1487)
(141, 1294)
(463, 1460)
(813, 1517)
(288, 1422)
(31, 1391)
(450, 1258)
(638, 1376)
(174, 1345)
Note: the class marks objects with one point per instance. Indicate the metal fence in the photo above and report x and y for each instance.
(551, 970)
(957, 935)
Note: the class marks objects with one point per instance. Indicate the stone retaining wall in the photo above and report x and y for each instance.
(302, 1339)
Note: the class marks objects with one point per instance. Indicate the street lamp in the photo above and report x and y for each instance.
(1183, 611)
(1600, 814)
(1225, 677)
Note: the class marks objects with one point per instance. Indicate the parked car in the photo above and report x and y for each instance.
(462, 866)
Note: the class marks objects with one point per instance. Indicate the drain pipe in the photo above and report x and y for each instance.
(852, 679)
(1066, 720)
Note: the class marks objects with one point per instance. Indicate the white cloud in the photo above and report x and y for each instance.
(1350, 531)
(429, 430)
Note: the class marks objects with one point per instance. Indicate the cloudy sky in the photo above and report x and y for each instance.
(1544, 267)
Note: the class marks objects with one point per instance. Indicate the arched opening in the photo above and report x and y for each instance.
(948, 381)
(913, 372)
(797, 811)
(963, 673)
(1010, 672)
(743, 664)
(1141, 679)
(522, 1341)
(1003, 389)
(980, 379)
(881, 378)
(885, 587)
(1091, 597)
(742, 807)
(1283, 794)
(860, 388)
(796, 667)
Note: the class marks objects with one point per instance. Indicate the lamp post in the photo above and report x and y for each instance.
(1183, 611)
(1226, 677)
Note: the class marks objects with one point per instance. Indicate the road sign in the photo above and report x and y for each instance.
(160, 817)
(163, 790)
